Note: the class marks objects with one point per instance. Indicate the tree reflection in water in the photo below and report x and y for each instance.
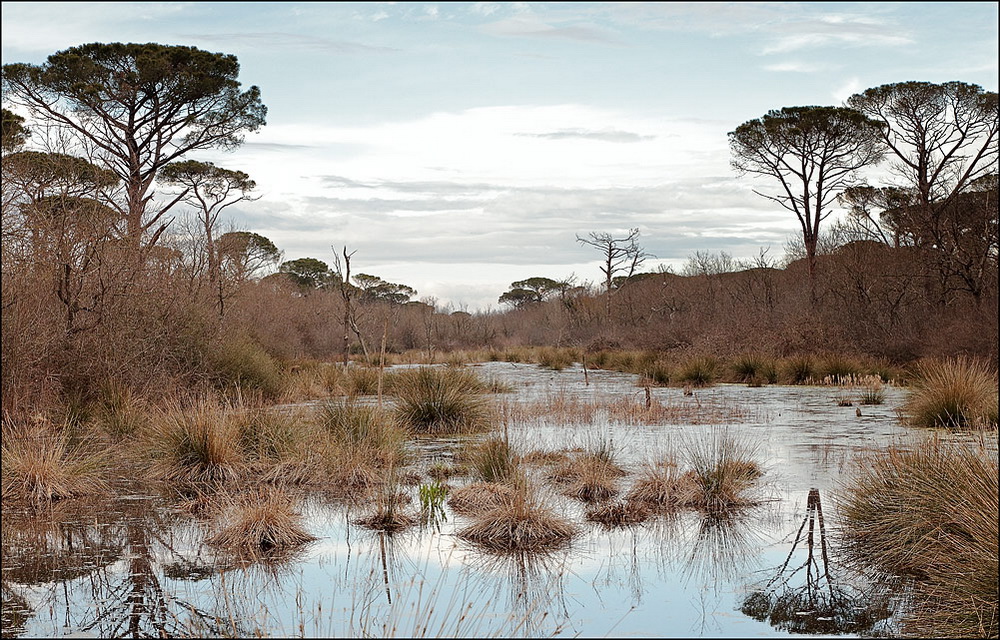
(809, 597)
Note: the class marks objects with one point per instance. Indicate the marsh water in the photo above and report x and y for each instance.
(136, 566)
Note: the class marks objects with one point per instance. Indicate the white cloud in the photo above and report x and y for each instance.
(848, 89)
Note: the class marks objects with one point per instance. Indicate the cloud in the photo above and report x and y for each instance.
(530, 26)
(606, 135)
(848, 89)
(281, 40)
(835, 30)
(798, 67)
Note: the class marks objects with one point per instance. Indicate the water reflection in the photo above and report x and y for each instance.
(810, 597)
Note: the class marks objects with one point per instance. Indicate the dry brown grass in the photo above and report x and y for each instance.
(479, 496)
(663, 486)
(39, 465)
(520, 524)
(959, 394)
(724, 471)
(257, 522)
(199, 442)
(931, 512)
(589, 477)
(619, 514)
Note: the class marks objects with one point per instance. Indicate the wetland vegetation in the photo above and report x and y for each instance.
(200, 439)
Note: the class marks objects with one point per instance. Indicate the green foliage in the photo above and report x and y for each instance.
(14, 132)
(375, 289)
(309, 273)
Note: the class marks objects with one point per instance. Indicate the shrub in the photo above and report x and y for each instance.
(958, 393)
(432, 401)
(930, 512)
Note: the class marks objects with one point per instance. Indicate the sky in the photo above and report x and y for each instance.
(459, 147)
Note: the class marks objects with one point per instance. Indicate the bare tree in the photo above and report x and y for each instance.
(621, 258)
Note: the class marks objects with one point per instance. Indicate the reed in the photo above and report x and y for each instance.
(662, 486)
(479, 497)
(493, 461)
(619, 514)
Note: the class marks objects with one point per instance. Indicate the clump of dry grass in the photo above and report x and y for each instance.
(479, 497)
(201, 442)
(663, 486)
(436, 400)
(931, 512)
(259, 522)
(40, 466)
(590, 477)
(724, 471)
(520, 524)
(620, 513)
(364, 430)
(958, 394)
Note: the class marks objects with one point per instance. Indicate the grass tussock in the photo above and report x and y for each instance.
(364, 430)
(493, 461)
(663, 487)
(956, 394)
(439, 400)
(755, 370)
(389, 513)
(799, 370)
(243, 367)
(622, 513)
(931, 513)
(40, 465)
(519, 524)
(590, 477)
(724, 472)
(479, 497)
(200, 442)
(700, 371)
(260, 522)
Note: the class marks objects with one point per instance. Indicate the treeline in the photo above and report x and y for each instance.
(119, 271)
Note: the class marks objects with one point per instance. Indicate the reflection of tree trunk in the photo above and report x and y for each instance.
(385, 567)
(145, 596)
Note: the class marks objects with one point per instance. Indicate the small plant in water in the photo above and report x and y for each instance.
(432, 497)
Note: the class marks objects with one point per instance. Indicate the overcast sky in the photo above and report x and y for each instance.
(458, 147)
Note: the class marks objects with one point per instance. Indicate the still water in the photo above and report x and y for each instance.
(136, 566)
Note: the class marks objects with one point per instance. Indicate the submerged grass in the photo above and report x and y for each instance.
(931, 513)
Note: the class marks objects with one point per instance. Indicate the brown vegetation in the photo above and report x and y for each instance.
(259, 522)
